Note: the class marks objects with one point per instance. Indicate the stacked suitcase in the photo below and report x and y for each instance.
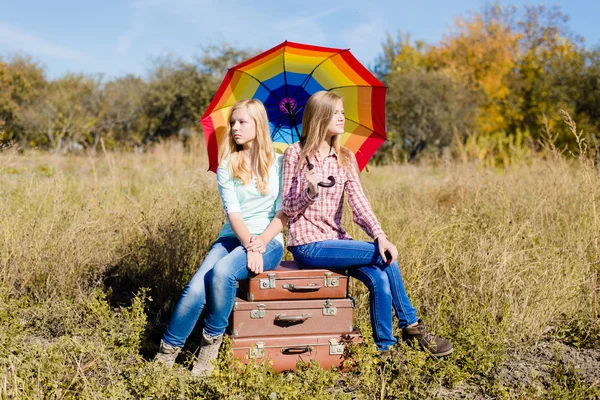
(291, 314)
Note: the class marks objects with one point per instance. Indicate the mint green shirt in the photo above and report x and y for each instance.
(257, 209)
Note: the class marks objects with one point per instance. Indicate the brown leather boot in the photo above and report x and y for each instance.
(429, 342)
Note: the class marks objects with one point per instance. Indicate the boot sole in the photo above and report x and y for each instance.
(412, 341)
(436, 355)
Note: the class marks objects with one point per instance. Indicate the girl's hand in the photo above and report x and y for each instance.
(313, 178)
(257, 244)
(387, 251)
(255, 262)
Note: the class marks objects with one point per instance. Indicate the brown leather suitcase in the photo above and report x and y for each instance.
(291, 317)
(284, 351)
(289, 282)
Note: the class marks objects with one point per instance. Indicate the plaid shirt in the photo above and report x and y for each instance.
(320, 218)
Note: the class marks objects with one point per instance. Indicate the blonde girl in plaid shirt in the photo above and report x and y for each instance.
(316, 238)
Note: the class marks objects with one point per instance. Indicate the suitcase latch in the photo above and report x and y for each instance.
(331, 281)
(268, 283)
(257, 314)
(257, 350)
(329, 309)
(336, 348)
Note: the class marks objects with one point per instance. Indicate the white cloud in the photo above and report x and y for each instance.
(141, 11)
(254, 25)
(19, 40)
(146, 13)
(296, 23)
(364, 39)
(308, 29)
(126, 40)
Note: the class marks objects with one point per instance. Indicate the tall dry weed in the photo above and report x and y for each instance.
(511, 252)
(94, 251)
(590, 169)
(65, 220)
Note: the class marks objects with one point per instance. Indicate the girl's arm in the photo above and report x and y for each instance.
(295, 190)
(362, 213)
(232, 206)
(239, 228)
(277, 223)
(363, 216)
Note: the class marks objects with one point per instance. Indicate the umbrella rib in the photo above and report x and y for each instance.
(279, 124)
(353, 86)
(278, 128)
(300, 98)
(375, 132)
(284, 74)
(261, 84)
(285, 88)
(309, 76)
(307, 79)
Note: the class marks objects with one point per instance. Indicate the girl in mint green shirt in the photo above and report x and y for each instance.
(249, 180)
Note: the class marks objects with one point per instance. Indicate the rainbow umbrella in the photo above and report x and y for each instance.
(283, 78)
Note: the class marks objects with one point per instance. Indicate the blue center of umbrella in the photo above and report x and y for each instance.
(287, 105)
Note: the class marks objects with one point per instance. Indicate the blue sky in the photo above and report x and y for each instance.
(117, 37)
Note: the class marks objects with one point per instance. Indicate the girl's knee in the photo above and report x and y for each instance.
(222, 275)
(195, 291)
(382, 282)
(375, 280)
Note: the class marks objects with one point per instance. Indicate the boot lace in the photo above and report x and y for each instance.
(428, 337)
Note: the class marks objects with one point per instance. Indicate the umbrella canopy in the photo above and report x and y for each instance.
(283, 78)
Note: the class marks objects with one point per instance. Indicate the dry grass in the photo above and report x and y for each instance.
(490, 258)
(66, 219)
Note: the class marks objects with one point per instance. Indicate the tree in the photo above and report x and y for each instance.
(588, 101)
(483, 52)
(179, 92)
(123, 118)
(400, 56)
(426, 109)
(65, 114)
(21, 83)
(217, 59)
(176, 95)
(546, 76)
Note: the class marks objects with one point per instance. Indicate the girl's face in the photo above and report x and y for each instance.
(243, 127)
(336, 125)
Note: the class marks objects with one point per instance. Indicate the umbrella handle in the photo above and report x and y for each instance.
(328, 184)
(331, 179)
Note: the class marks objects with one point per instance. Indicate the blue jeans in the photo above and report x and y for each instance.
(214, 283)
(363, 262)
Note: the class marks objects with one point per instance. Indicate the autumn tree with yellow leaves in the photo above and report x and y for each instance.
(520, 67)
(497, 78)
(482, 52)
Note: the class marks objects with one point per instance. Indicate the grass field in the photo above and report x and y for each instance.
(94, 252)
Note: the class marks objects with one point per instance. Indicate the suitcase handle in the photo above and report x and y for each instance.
(296, 350)
(302, 288)
(292, 318)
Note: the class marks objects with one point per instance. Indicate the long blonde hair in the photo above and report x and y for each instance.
(318, 111)
(262, 155)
